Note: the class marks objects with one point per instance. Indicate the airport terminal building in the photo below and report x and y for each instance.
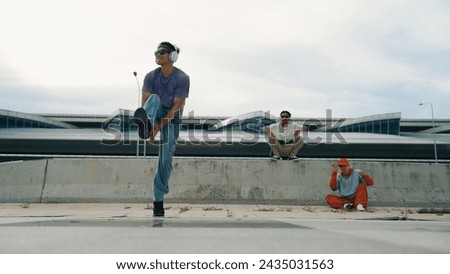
(381, 136)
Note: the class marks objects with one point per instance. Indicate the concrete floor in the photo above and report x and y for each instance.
(218, 228)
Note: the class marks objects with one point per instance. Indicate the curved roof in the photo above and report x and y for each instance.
(377, 117)
(14, 119)
(259, 114)
(387, 123)
(438, 129)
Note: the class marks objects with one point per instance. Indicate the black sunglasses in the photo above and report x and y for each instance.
(161, 52)
(284, 116)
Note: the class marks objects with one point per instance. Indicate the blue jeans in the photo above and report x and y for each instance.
(168, 141)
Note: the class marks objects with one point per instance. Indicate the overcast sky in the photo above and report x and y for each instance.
(356, 58)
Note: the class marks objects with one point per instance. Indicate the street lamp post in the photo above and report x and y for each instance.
(139, 105)
(434, 132)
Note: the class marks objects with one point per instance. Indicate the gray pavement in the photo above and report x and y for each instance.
(219, 228)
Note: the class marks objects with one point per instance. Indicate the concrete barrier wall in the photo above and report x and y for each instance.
(22, 181)
(221, 180)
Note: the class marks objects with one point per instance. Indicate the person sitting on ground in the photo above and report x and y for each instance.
(351, 184)
(284, 137)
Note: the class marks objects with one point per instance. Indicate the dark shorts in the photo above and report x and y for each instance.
(285, 143)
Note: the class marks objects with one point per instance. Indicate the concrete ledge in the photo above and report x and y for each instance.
(22, 181)
(217, 180)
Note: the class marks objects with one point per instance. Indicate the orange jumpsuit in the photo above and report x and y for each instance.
(360, 197)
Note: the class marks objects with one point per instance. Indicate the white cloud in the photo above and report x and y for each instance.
(242, 56)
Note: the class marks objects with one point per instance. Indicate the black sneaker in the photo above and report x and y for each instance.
(158, 209)
(349, 206)
(140, 118)
(294, 158)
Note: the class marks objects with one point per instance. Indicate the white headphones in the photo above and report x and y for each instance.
(173, 56)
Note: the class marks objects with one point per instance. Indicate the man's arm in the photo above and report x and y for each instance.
(369, 181)
(297, 132)
(270, 135)
(333, 177)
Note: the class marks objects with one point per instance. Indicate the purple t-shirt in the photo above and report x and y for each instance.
(176, 85)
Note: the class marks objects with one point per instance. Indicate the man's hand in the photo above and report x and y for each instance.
(335, 167)
(362, 174)
(155, 130)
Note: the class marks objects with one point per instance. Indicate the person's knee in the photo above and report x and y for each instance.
(298, 140)
(329, 198)
(152, 99)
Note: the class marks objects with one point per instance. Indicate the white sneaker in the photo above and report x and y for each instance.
(360, 207)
